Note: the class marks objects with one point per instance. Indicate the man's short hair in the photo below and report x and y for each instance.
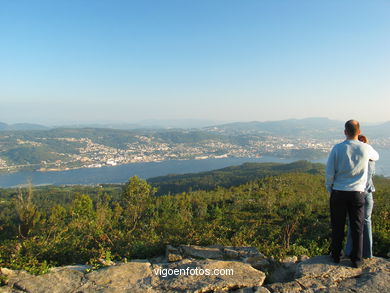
(352, 127)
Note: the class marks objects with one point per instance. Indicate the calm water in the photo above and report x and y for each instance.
(120, 174)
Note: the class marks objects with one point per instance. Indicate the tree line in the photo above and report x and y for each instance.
(285, 214)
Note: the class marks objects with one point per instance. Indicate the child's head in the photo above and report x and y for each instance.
(362, 138)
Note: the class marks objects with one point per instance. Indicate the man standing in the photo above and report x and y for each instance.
(346, 178)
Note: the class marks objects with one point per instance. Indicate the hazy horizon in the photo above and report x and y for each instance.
(185, 123)
(77, 62)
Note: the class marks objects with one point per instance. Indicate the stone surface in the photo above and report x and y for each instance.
(244, 290)
(320, 274)
(261, 263)
(201, 252)
(260, 290)
(314, 275)
(5, 290)
(211, 252)
(303, 258)
(374, 283)
(289, 259)
(187, 275)
(241, 252)
(289, 287)
(236, 275)
(63, 281)
(13, 276)
(132, 276)
(251, 290)
(80, 268)
(106, 262)
(173, 254)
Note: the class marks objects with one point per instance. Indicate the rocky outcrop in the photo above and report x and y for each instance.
(59, 282)
(320, 274)
(188, 275)
(210, 269)
(211, 252)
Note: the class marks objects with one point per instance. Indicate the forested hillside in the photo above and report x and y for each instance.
(229, 176)
(280, 215)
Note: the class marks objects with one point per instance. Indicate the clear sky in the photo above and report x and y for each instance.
(94, 60)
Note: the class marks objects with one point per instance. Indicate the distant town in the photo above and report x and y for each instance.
(65, 149)
(94, 155)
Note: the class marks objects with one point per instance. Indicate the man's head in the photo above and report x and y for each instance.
(352, 129)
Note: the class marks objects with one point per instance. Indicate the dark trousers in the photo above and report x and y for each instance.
(341, 203)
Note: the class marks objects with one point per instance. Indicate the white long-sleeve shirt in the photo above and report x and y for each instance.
(347, 166)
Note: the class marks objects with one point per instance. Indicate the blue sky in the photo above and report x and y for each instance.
(83, 61)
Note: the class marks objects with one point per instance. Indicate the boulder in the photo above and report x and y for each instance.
(134, 276)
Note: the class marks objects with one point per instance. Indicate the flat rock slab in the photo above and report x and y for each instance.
(208, 276)
(314, 275)
(320, 274)
(132, 276)
(201, 252)
(214, 252)
(141, 276)
(64, 281)
(378, 282)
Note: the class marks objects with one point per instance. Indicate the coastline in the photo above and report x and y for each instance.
(121, 173)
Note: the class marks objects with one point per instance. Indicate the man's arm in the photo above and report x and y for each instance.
(373, 154)
(330, 170)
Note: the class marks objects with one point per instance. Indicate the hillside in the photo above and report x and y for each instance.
(229, 176)
(284, 214)
(21, 127)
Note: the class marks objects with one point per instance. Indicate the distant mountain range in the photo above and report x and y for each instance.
(21, 126)
(290, 127)
(308, 127)
(144, 124)
(148, 124)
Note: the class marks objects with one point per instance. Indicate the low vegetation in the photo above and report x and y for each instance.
(282, 214)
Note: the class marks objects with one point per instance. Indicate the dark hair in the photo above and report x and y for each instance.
(352, 127)
(363, 138)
